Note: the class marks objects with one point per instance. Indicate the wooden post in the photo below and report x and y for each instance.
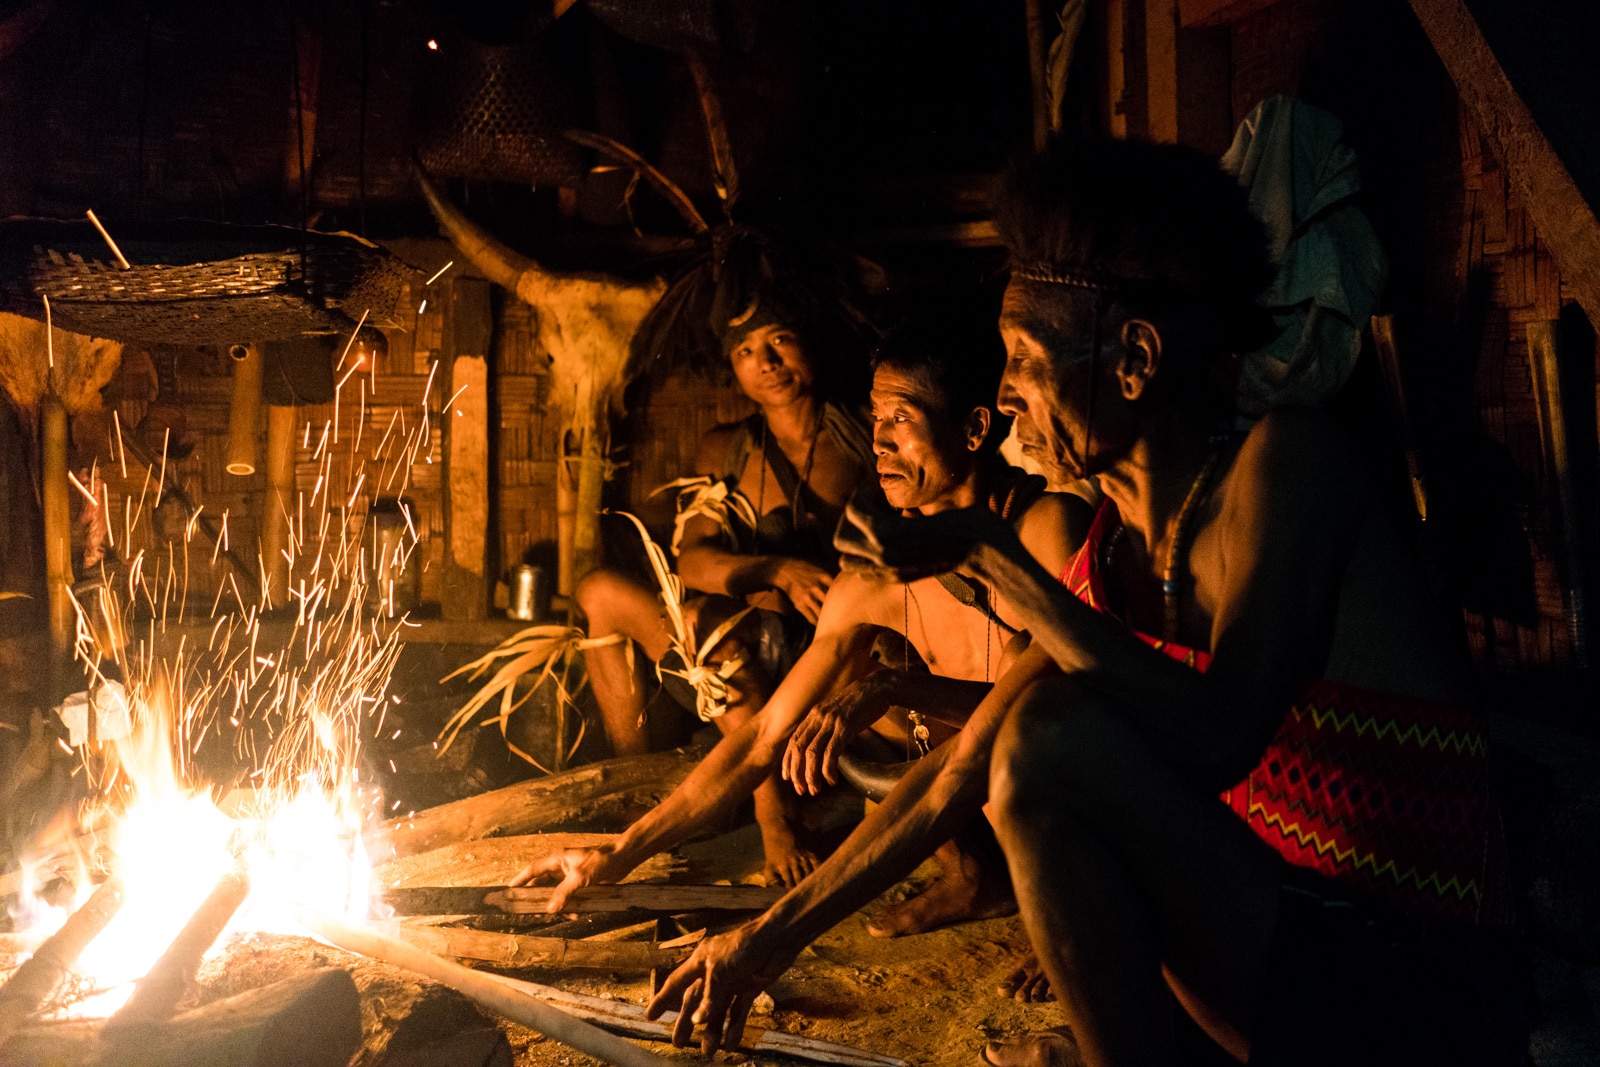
(301, 147)
(57, 526)
(1038, 53)
(1161, 69)
(591, 482)
(244, 412)
(466, 443)
(279, 504)
(1115, 13)
(1544, 359)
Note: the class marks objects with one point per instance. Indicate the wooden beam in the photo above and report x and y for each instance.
(1218, 12)
(1565, 219)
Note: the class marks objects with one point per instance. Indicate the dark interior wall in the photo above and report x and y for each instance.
(1468, 271)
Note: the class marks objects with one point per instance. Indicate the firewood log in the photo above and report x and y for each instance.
(616, 789)
(312, 1019)
(469, 900)
(522, 950)
(36, 979)
(157, 994)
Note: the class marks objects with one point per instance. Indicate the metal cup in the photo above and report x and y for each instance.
(530, 594)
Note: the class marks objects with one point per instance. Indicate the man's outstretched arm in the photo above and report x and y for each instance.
(740, 762)
(716, 985)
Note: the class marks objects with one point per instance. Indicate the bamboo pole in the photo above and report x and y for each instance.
(156, 995)
(244, 412)
(1544, 359)
(280, 498)
(36, 979)
(1038, 50)
(57, 525)
(515, 1004)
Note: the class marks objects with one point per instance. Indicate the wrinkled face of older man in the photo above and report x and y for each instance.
(1071, 415)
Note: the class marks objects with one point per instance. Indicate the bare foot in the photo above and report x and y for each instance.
(1027, 982)
(1047, 1048)
(788, 864)
(964, 890)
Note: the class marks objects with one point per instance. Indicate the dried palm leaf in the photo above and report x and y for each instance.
(36, 359)
(715, 499)
(710, 682)
(537, 648)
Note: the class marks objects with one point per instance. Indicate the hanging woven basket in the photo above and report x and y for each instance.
(496, 113)
(193, 282)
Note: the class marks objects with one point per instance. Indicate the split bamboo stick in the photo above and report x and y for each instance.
(630, 1019)
(36, 979)
(529, 900)
(515, 1004)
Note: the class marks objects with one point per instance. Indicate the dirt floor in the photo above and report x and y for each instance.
(927, 999)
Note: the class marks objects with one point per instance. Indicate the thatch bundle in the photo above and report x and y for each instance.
(82, 366)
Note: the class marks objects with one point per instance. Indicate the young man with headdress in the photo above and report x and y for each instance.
(936, 438)
(790, 467)
(1242, 620)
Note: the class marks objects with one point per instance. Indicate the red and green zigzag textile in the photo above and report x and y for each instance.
(1385, 795)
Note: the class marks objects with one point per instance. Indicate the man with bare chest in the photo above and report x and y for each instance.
(1239, 767)
(790, 467)
(936, 450)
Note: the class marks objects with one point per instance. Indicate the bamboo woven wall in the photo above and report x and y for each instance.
(1502, 253)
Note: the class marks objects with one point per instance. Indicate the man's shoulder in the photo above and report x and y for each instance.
(861, 596)
(1290, 438)
(1053, 527)
(716, 444)
(1302, 458)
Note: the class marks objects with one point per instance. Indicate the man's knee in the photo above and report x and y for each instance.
(1055, 742)
(604, 597)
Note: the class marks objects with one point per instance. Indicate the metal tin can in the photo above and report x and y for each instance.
(530, 594)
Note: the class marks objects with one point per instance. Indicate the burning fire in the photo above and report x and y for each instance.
(295, 717)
